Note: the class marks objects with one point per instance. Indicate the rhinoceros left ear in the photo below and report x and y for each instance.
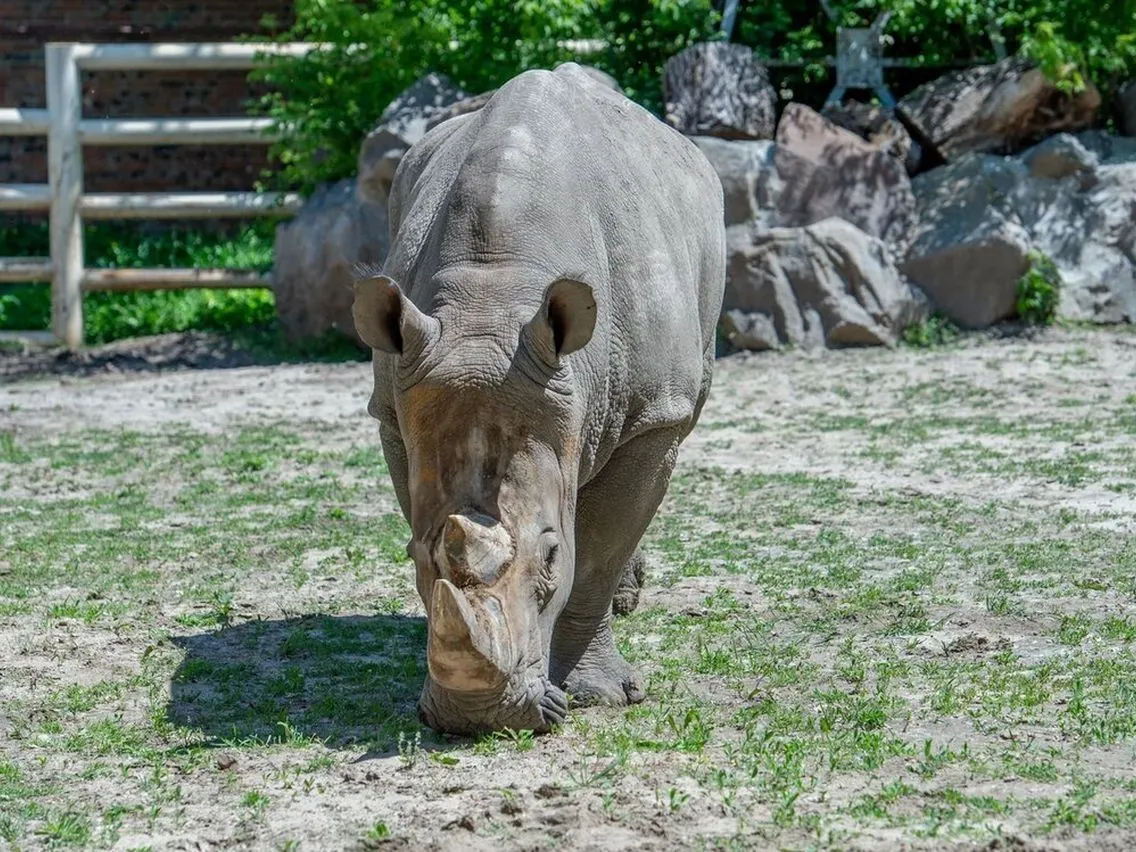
(388, 321)
(565, 321)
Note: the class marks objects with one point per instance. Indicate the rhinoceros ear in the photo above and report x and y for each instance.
(565, 321)
(388, 321)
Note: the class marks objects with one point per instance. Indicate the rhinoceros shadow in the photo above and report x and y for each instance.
(338, 679)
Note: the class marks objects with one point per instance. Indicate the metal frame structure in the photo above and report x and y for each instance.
(63, 196)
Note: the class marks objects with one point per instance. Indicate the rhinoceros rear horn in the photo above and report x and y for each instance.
(388, 321)
(565, 321)
(477, 548)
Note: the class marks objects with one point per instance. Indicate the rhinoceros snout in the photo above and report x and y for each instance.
(537, 707)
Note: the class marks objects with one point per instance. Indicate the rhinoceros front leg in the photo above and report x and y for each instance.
(613, 511)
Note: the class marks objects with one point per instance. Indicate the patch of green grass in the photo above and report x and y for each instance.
(936, 330)
(1039, 291)
(110, 316)
(10, 451)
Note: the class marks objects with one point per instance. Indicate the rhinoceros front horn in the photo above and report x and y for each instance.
(461, 653)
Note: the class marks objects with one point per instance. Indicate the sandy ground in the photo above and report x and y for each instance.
(769, 414)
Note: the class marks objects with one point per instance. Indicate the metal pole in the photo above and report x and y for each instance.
(729, 15)
(65, 173)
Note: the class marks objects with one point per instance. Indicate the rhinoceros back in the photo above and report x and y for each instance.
(560, 176)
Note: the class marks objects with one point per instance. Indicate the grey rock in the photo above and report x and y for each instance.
(719, 89)
(1110, 149)
(1088, 228)
(751, 185)
(974, 280)
(969, 251)
(828, 171)
(828, 284)
(980, 218)
(405, 120)
(876, 125)
(1061, 156)
(316, 257)
(1000, 107)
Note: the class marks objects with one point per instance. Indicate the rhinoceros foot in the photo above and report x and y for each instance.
(553, 707)
(602, 676)
(615, 684)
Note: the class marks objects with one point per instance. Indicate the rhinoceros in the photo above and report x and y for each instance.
(543, 335)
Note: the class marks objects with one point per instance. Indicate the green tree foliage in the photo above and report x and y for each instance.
(328, 100)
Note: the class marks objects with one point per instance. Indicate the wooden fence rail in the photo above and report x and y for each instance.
(63, 196)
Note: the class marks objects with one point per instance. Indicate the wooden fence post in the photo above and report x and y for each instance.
(65, 172)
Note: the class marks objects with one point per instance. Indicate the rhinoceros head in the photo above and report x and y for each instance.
(489, 420)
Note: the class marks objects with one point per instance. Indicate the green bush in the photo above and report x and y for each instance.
(111, 316)
(328, 100)
(1039, 291)
(936, 330)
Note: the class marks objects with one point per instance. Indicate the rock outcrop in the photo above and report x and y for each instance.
(1072, 198)
(878, 127)
(719, 89)
(316, 258)
(994, 108)
(828, 171)
(828, 284)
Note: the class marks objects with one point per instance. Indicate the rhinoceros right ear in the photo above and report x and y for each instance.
(565, 321)
(388, 321)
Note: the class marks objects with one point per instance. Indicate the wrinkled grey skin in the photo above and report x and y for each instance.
(544, 339)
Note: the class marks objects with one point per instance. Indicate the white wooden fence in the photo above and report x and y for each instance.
(67, 131)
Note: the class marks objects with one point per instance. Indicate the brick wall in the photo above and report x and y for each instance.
(26, 25)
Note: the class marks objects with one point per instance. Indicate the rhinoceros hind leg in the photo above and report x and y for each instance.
(630, 583)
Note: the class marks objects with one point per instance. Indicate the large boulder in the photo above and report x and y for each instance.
(1085, 221)
(317, 256)
(405, 120)
(828, 284)
(751, 185)
(828, 171)
(1127, 104)
(719, 89)
(879, 127)
(967, 251)
(1071, 198)
(994, 108)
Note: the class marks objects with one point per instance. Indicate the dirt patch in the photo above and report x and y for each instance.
(166, 352)
(889, 605)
